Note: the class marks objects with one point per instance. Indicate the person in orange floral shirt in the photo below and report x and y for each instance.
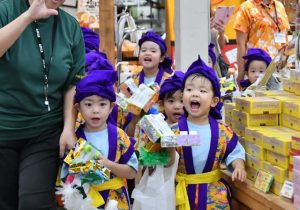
(260, 24)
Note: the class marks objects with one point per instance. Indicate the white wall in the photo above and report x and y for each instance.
(191, 31)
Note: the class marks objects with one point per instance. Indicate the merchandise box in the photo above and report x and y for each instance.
(277, 142)
(242, 141)
(296, 143)
(239, 129)
(228, 119)
(296, 88)
(293, 153)
(228, 107)
(255, 119)
(282, 99)
(295, 75)
(292, 108)
(291, 122)
(254, 135)
(279, 173)
(255, 150)
(254, 162)
(276, 187)
(258, 105)
(287, 84)
(277, 159)
(259, 93)
(251, 173)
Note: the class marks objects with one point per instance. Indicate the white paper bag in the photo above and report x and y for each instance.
(157, 191)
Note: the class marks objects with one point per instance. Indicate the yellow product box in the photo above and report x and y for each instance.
(279, 173)
(272, 93)
(242, 141)
(254, 135)
(239, 129)
(277, 142)
(296, 88)
(295, 75)
(255, 119)
(287, 84)
(258, 105)
(277, 159)
(228, 107)
(296, 142)
(254, 162)
(228, 119)
(291, 122)
(292, 108)
(276, 187)
(254, 150)
(285, 98)
(251, 173)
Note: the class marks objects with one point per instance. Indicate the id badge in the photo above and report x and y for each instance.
(191, 139)
(280, 38)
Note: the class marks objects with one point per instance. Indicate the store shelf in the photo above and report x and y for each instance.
(246, 196)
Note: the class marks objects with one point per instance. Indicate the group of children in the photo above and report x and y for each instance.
(190, 102)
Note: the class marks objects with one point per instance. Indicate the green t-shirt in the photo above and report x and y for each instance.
(23, 113)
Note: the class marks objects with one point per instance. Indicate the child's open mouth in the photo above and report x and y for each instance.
(95, 119)
(195, 105)
(147, 59)
(177, 115)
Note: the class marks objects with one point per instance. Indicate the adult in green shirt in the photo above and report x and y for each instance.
(41, 59)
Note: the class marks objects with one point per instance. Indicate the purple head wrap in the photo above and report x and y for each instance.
(97, 61)
(99, 83)
(211, 53)
(153, 37)
(174, 83)
(199, 67)
(256, 54)
(91, 40)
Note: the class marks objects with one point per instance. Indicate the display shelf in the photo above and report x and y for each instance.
(246, 196)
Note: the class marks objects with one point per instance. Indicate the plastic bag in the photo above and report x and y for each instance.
(157, 191)
(112, 205)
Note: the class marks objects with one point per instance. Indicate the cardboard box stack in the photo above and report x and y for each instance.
(267, 126)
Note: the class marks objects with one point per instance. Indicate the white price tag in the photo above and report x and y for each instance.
(280, 38)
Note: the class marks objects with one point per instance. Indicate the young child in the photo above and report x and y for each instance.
(212, 58)
(95, 61)
(170, 97)
(94, 99)
(152, 56)
(257, 61)
(156, 67)
(199, 183)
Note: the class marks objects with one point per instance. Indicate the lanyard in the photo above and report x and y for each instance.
(46, 67)
(276, 16)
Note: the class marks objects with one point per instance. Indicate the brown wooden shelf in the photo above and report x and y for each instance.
(246, 196)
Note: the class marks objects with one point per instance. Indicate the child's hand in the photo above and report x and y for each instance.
(67, 141)
(103, 161)
(239, 173)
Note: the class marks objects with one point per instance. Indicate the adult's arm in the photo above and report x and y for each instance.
(241, 39)
(68, 138)
(11, 32)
